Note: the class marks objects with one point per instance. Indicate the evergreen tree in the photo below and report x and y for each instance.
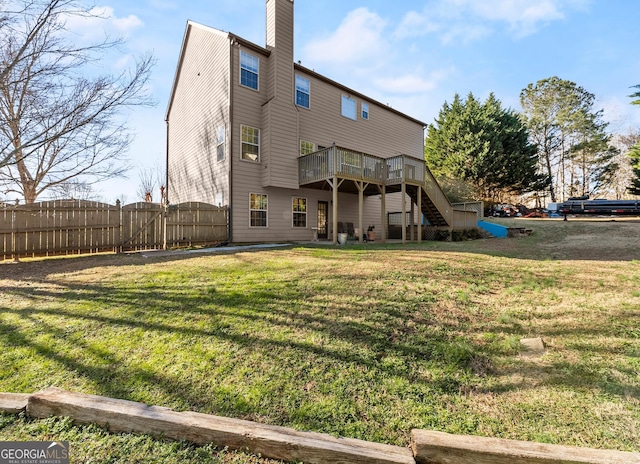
(636, 95)
(484, 145)
(634, 155)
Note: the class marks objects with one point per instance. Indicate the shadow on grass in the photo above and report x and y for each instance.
(290, 348)
(281, 324)
(584, 239)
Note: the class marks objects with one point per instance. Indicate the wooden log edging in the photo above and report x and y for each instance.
(268, 441)
(427, 447)
(444, 448)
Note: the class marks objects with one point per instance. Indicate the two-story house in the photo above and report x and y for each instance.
(290, 151)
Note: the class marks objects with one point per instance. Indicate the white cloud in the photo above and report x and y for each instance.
(412, 83)
(469, 20)
(524, 17)
(100, 21)
(358, 38)
(126, 24)
(415, 24)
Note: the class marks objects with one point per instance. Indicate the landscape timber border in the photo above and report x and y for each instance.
(291, 445)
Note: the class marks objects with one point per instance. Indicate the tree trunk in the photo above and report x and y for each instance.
(547, 158)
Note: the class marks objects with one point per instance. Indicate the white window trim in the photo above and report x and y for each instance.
(243, 142)
(222, 129)
(257, 73)
(265, 210)
(293, 213)
(355, 104)
(306, 141)
(364, 105)
(301, 91)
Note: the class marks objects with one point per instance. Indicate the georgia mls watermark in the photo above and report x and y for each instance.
(34, 452)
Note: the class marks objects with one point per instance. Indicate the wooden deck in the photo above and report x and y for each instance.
(367, 174)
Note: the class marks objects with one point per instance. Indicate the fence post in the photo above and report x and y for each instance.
(14, 233)
(165, 215)
(119, 244)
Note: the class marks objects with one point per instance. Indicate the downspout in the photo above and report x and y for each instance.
(166, 173)
(166, 188)
(231, 152)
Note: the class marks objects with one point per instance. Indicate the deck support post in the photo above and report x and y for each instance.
(383, 212)
(360, 187)
(404, 213)
(335, 209)
(419, 214)
(412, 222)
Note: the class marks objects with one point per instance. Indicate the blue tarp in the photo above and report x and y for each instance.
(494, 229)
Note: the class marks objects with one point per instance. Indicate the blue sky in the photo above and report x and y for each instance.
(413, 55)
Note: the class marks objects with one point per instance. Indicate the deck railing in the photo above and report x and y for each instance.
(405, 168)
(355, 165)
(437, 196)
(342, 162)
(350, 164)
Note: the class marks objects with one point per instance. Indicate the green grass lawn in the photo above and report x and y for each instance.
(361, 341)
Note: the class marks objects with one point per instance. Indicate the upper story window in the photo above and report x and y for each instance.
(250, 143)
(220, 143)
(303, 91)
(365, 110)
(306, 147)
(249, 70)
(349, 107)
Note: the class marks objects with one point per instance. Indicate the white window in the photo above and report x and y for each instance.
(250, 143)
(303, 91)
(365, 110)
(299, 209)
(258, 209)
(349, 107)
(220, 143)
(249, 70)
(306, 147)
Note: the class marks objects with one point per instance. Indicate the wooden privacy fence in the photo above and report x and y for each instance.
(79, 226)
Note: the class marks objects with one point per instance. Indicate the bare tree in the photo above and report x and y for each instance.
(151, 178)
(147, 185)
(75, 190)
(59, 123)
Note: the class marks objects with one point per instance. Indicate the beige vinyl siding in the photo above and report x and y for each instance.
(247, 107)
(200, 105)
(280, 215)
(385, 133)
(280, 114)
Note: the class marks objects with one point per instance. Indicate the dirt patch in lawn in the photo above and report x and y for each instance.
(584, 238)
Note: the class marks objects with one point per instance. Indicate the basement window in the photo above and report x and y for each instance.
(299, 210)
(258, 209)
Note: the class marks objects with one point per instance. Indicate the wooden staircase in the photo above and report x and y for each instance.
(437, 215)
